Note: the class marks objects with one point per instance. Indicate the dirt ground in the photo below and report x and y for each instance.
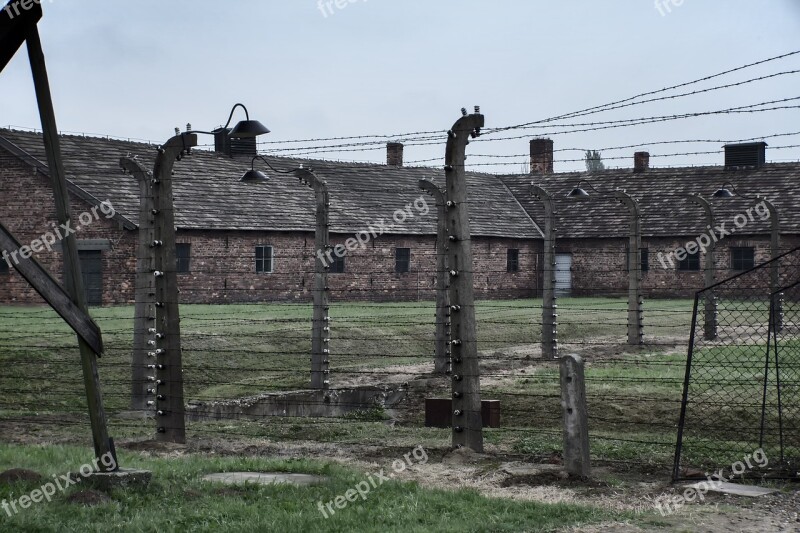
(500, 474)
(504, 476)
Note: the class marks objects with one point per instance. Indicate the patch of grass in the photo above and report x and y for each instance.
(177, 500)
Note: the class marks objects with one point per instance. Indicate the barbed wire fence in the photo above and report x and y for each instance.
(246, 333)
(247, 358)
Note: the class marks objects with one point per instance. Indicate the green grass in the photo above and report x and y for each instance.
(233, 351)
(178, 500)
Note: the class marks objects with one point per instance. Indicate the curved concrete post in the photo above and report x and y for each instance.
(635, 299)
(320, 328)
(441, 352)
(549, 307)
(710, 303)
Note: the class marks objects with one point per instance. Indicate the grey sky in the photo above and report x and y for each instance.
(138, 69)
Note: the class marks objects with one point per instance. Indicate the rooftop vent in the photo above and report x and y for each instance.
(745, 155)
(224, 144)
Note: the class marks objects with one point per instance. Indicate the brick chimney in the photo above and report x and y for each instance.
(541, 156)
(223, 144)
(641, 161)
(394, 154)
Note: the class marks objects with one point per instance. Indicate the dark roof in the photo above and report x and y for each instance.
(660, 192)
(208, 194)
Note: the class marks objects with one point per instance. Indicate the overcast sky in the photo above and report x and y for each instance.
(307, 70)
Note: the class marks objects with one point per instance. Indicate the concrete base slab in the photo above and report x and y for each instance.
(528, 469)
(122, 478)
(733, 488)
(264, 478)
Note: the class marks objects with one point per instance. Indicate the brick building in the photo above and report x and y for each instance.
(246, 242)
(592, 236)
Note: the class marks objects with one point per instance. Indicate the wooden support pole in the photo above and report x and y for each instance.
(467, 422)
(166, 356)
(441, 354)
(320, 327)
(72, 272)
(549, 307)
(635, 298)
(145, 293)
(576, 418)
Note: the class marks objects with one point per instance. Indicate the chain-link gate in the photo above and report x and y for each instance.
(743, 374)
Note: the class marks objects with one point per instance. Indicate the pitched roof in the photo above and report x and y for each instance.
(661, 194)
(208, 194)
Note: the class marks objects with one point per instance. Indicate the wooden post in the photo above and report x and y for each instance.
(72, 272)
(441, 354)
(635, 299)
(166, 358)
(549, 307)
(320, 326)
(145, 293)
(576, 418)
(467, 423)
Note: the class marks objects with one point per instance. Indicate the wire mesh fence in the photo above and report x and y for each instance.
(740, 391)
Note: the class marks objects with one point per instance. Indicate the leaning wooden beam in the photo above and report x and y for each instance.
(72, 272)
(15, 22)
(52, 292)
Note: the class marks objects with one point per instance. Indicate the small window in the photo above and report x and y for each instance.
(512, 260)
(337, 267)
(4, 267)
(690, 262)
(182, 257)
(263, 259)
(402, 260)
(742, 258)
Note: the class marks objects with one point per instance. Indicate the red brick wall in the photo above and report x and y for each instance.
(28, 211)
(599, 265)
(223, 268)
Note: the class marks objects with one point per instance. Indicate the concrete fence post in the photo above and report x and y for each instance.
(576, 418)
(549, 306)
(320, 328)
(441, 350)
(467, 420)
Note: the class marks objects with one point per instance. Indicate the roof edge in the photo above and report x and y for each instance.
(43, 169)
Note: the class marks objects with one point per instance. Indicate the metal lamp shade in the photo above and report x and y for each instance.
(578, 194)
(248, 129)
